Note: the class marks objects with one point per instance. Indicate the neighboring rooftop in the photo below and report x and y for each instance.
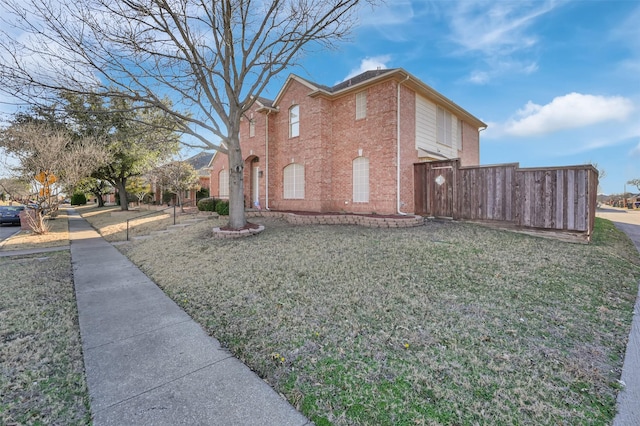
(201, 160)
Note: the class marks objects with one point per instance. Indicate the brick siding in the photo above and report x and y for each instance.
(330, 139)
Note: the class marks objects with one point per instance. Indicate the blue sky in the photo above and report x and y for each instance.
(558, 82)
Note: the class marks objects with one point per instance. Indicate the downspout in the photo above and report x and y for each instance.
(266, 161)
(480, 130)
(398, 149)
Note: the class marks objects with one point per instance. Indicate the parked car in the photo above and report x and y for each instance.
(10, 214)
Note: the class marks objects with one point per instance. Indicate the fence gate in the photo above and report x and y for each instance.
(437, 181)
(558, 199)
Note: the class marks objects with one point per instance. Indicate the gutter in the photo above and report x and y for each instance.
(398, 149)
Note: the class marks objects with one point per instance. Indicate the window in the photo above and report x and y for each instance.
(252, 128)
(361, 105)
(294, 181)
(223, 184)
(361, 180)
(444, 126)
(294, 121)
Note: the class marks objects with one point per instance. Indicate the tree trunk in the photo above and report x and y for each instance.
(179, 201)
(99, 198)
(237, 218)
(124, 202)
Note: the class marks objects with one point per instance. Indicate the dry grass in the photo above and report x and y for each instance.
(112, 222)
(42, 380)
(449, 323)
(57, 236)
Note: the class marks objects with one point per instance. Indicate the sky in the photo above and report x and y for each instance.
(557, 82)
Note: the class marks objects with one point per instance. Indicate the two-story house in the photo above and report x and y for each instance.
(350, 147)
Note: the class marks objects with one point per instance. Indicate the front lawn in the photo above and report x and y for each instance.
(42, 380)
(449, 323)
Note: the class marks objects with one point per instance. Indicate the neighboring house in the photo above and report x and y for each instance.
(202, 164)
(350, 147)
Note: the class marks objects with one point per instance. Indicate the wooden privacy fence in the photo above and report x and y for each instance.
(554, 198)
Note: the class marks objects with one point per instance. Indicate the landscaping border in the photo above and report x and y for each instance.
(370, 221)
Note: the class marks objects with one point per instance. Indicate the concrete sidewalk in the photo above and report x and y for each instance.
(629, 397)
(147, 362)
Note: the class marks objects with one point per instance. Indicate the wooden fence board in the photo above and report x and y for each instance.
(559, 199)
(571, 200)
(556, 198)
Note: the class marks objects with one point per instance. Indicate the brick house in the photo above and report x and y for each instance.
(350, 147)
(201, 162)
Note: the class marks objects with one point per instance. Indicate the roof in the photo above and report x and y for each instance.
(265, 102)
(201, 160)
(367, 75)
(370, 77)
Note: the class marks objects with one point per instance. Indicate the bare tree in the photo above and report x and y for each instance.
(17, 189)
(177, 177)
(212, 58)
(634, 182)
(50, 159)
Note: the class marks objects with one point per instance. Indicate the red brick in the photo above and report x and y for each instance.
(330, 139)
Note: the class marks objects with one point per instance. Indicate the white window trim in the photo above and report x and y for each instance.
(361, 105)
(360, 173)
(293, 182)
(223, 183)
(252, 127)
(443, 127)
(294, 121)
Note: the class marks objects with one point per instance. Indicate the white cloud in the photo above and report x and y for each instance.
(627, 35)
(496, 28)
(479, 77)
(570, 111)
(400, 12)
(369, 63)
(500, 32)
(501, 68)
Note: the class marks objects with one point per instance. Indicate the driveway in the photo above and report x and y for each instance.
(628, 221)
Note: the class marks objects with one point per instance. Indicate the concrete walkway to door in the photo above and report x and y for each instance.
(628, 221)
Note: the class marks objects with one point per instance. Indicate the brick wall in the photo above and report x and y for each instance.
(330, 139)
(470, 153)
(220, 161)
(408, 151)
(373, 137)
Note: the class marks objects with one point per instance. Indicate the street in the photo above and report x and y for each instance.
(8, 230)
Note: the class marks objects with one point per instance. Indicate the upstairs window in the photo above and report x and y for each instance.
(444, 126)
(252, 128)
(361, 105)
(294, 121)
(294, 181)
(223, 184)
(361, 180)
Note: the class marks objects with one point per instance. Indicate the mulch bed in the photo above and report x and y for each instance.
(248, 225)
